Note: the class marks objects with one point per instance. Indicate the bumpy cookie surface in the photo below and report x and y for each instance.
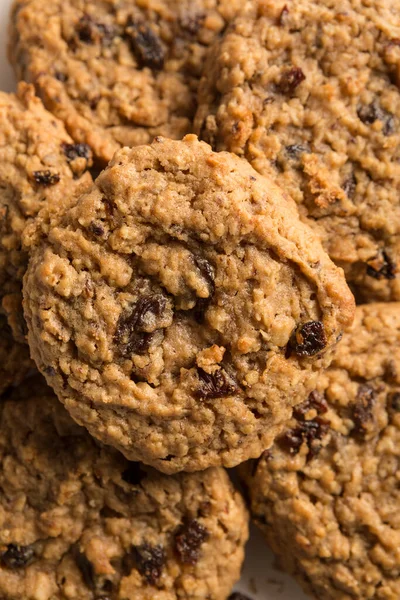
(80, 522)
(181, 308)
(308, 92)
(15, 361)
(327, 494)
(117, 72)
(41, 171)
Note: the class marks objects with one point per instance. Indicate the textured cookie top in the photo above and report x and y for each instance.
(15, 361)
(327, 494)
(181, 308)
(308, 92)
(78, 521)
(117, 72)
(41, 171)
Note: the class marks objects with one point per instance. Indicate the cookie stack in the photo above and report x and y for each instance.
(189, 309)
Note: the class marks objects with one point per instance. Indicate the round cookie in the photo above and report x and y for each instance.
(117, 72)
(327, 494)
(41, 171)
(181, 308)
(15, 361)
(78, 521)
(308, 92)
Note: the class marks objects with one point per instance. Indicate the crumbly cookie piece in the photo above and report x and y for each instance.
(41, 171)
(78, 521)
(15, 361)
(327, 494)
(308, 92)
(181, 308)
(117, 72)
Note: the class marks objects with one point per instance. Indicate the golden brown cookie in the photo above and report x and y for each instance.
(308, 92)
(181, 308)
(80, 521)
(117, 73)
(41, 171)
(327, 493)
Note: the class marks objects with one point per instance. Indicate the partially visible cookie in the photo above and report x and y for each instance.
(308, 92)
(78, 521)
(117, 72)
(15, 361)
(327, 494)
(41, 171)
(181, 308)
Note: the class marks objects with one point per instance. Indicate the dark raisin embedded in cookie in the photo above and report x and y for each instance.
(362, 410)
(308, 339)
(150, 561)
(146, 45)
(382, 267)
(46, 177)
(215, 385)
(290, 79)
(189, 540)
(17, 557)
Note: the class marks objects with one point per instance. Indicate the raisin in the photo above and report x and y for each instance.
(16, 557)
(362, 414)
(89, 31)
(145, 45)
(207, 272)
(148, 560)
(349, 186)
(134, 474)
(308, 339)
(373, 112)
(382, 267)
(316, 401)
(130, 335)
(86, 29)
(46, 178)
(214, 385)
(74, 151)
(238, 596)
(188, 541)
(86, 568)
(97, 229)
(283, 17)
(290, 80)
(394, 401)
(296, 150)
(60, 76)
(310, 432)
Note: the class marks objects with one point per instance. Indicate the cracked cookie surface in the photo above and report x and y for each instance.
(118, 73)
(78, 521)
(308, 92)
(327, 495)
(181, 308)
(41, 171)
